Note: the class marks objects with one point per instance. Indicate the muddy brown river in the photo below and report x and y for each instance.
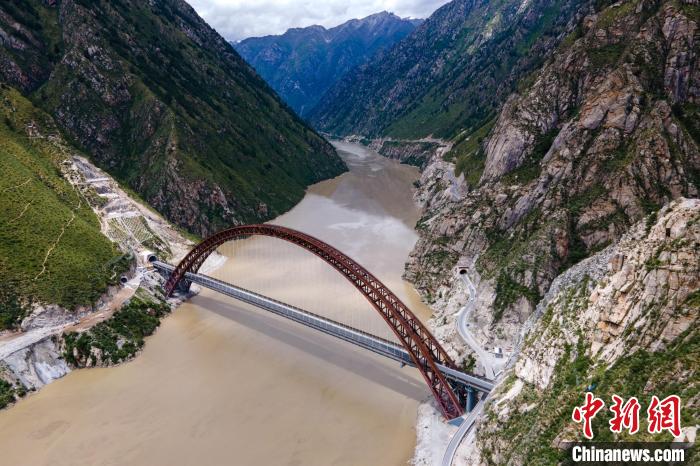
(221, 383)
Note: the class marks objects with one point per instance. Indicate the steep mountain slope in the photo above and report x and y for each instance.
(605, 133)
(163, 103)
(624, 322)
(51, 247)
(303, 63)
(451, 74)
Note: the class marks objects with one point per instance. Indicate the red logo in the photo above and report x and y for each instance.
(665, 415)
(587, 412)
(626, 416)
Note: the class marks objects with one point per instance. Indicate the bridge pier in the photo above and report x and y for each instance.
(465, 387)
(472, 399)
(183, 285)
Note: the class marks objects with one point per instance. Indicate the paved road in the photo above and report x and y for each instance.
(13, 342)
(458, 437)
(486, 359)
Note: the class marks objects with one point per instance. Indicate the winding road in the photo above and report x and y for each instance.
(486, 359)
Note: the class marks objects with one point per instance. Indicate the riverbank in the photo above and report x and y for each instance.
(254, 378)
(35, 355)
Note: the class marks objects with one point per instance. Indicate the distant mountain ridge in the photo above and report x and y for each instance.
(303, 63)
(451, 74)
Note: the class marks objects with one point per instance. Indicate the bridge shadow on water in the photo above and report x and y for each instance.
(327, 348)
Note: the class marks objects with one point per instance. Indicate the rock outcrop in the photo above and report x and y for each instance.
(604, 135)
(624, 321)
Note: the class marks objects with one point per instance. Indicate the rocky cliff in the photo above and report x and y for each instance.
(303, 63)
(624, 322)
(161, 101)
(604, 135)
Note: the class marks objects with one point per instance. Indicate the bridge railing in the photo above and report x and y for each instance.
(344, 332)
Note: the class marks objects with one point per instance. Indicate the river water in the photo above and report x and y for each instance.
(221, 383)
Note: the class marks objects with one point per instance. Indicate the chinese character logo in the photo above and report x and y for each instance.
(625, 416)
(587, 412)
(665, 415)
(661, 415)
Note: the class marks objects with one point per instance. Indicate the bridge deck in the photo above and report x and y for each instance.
(344, 332)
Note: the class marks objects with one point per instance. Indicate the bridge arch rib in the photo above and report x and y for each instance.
(426, 352)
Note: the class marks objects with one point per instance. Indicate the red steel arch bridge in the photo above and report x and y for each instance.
(454, 390)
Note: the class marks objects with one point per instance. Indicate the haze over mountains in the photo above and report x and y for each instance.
(303, 62)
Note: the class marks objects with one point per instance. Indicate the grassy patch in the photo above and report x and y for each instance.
(610, 14)
(585, 199)
(508, 291)
(51, 247)
(606, 56)
(12, 307)
(468, 153)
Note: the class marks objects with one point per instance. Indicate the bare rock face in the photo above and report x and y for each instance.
(604, 136)
(36, 365)
(623, 321)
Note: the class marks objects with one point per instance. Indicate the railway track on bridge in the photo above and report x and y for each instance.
(330, 327)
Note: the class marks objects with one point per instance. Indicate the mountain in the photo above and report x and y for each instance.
(303, 63)
(602, 136)
(51, 246)
(624, 322)
(163, 103)
(573, 210)
(451, 74)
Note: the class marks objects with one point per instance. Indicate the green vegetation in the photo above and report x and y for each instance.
(468, 153)
(693, 300)
(7, 393)
(314, 59)
(118, 338)
(609, 15)
(469, 363)
(619, 159)
(606, 56)
(578, 250)
(169, 117)
(689, 116)
(12, 307)
(509, 260)
(530, 168)
(508, 291)
(51, 248)
(441, 258)
(414, 97)
(641, 374)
